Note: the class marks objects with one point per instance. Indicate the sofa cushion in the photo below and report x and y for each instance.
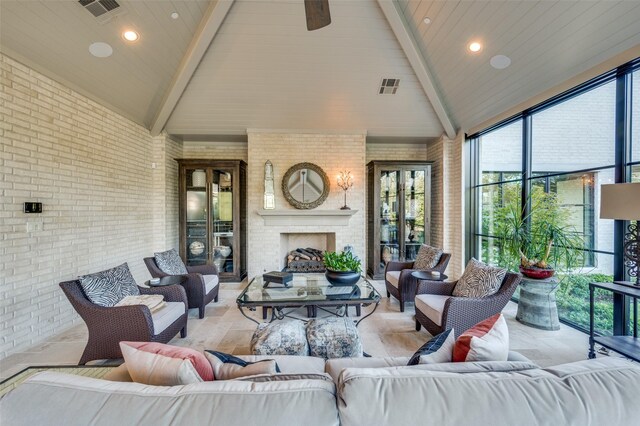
(108, 287)
(199, 361)
(280, 338)
(277, 377)
(227, 367)
(159, 370)
(427, 257)
(431, 305)
(558, 395)
(164, 317)
(437, 350)
(210, 282)
(485, 341)
(393, 277)
(333, 338)
(479, 280)
(334, 366)
(291, 364)
(46, 396)
(170, 262)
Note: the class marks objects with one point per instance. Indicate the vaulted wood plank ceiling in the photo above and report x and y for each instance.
(263, 69)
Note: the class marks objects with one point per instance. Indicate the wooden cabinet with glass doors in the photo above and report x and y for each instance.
(398, 212)
(213, 215)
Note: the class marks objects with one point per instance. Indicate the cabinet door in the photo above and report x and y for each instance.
(389, 217)
(197, 244)
(222, 205)
(414, 194)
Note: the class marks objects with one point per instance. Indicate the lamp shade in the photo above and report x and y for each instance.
(620, 201)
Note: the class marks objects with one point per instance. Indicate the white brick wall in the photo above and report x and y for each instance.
(216, 150)
(91, 169)
(396, 152)
(448, 200)
(332, 152)
(165, 192)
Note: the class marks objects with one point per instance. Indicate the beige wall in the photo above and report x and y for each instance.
(332, 152)
(396, 152)
(91, 169)
(448, 199)
(216, 150)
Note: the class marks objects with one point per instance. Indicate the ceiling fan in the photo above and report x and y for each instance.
(318, 15)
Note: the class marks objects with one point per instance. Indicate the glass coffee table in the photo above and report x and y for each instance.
(311, 291)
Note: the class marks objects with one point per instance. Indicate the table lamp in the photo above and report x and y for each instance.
(621, 201)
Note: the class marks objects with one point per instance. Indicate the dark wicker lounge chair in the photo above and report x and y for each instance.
(405, 290)
(195, 286)
(459, 313)
(109, 326)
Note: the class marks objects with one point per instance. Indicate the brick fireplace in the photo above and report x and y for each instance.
(269, 237)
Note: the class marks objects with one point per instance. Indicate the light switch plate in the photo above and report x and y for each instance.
(34, 226)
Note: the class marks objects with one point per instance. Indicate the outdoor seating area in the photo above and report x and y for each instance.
(331, 212)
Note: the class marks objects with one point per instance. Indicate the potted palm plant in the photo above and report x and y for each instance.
(342, 268)
(540, 241)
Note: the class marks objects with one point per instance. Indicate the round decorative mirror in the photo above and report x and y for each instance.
(305, 186)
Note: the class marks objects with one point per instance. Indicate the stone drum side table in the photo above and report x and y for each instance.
(537, 305)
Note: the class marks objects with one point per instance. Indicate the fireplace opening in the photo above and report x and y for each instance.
(305, 260)
(304, 251)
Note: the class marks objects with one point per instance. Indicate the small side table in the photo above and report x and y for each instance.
(428, 275)
(628, 346)
(537, 306)
(168, 280)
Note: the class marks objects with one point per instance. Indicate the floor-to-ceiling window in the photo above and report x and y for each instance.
(562, 150)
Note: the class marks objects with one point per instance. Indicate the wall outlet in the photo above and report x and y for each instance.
(34, 226)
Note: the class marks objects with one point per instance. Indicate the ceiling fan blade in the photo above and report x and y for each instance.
(318, 14)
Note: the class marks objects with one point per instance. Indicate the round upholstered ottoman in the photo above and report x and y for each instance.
(333, 338)
(286, 337)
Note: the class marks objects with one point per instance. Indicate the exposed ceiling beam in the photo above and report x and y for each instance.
(400, 28)
(206, 31)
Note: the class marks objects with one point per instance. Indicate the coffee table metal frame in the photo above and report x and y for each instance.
(278, 306)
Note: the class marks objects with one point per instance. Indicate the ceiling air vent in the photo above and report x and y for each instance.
(389, 86)
(104, 10)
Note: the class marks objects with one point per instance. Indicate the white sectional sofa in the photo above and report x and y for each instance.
(368, 391)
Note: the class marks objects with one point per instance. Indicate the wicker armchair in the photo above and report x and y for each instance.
(404, 289)
(109, 326)
(459, 313)
(196, 285)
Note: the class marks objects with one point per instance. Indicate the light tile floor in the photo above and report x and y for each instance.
(388, 332)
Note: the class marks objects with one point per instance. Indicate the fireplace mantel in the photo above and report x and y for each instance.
(306, 217)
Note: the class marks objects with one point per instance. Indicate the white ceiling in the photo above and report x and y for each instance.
(548, 41)
(54, 36)
(264, 70)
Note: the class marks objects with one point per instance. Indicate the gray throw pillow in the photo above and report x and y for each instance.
(106, 288)
(170, 263)
(479, 280)
(427, 258)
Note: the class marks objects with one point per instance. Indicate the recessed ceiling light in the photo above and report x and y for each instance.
(500, 62)
(427, 20)
(130, 35)
(475, 47)
(100, 49)
(175, 15)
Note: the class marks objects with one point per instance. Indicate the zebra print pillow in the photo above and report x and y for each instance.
(427, 258)
(106, 288)
(170, 263)
(479, 280)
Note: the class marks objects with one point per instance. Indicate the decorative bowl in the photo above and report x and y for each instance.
(342, 277)
(537, 273)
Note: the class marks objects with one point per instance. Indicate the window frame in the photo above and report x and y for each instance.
(623, 78)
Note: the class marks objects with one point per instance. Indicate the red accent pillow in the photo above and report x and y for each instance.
(485, 341)
(199, 361)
